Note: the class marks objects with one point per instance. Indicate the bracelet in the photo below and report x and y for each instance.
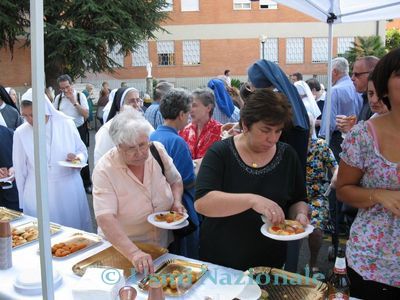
(371, 197)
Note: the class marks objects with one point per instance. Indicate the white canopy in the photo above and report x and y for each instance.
(343, 11)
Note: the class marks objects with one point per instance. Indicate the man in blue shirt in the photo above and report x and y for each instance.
(152, 113)
(175, 107)
(344, 101)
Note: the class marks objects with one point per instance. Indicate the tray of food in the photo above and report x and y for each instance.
(7, 214)
(76, 243)
(111, 258)
(28, 232)
(278, 284)
(176, 276)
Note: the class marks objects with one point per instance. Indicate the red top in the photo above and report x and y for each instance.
(199, 145)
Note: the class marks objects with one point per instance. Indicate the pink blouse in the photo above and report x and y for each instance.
(373, 249)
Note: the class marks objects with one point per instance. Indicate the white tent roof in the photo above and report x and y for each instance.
(346, 10)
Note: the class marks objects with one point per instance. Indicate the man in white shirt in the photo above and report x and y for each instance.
(74, 104)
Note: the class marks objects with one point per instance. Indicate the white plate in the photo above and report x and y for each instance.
(151, 219)
(251, 291)
(9, 178)
(68, 164)
(308, 229)
(29, 281)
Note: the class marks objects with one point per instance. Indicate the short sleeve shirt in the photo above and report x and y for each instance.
(117, 191)
(373, 249)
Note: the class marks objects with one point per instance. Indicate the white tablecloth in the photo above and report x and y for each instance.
(27, 257)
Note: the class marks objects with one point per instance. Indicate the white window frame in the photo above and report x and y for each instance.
(190, 5)
(144, 52)
(241, 5)
(314, 58)
(287, 52)
(170, 6)
(184, 46)
(115, 56)
(170, 55)
(340, 39)
(269, 3)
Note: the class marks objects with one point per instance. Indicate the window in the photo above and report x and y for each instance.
(294, 50)
(241, 4)
(319, 50)
(169, 5)
(115, 56)
(266, 4)
(140, 56)
(270, 50)
(166, 53)
(344, 44)
(191, 52)
(190, 5)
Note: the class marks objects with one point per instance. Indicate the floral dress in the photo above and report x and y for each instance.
(373, 249)
(320, 158)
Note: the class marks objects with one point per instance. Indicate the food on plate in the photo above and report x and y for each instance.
(5, 218)
(64, 249)
(169, 217)
(75, 161)
(24, 235)
(184, 277)
(225, 134)
(289, 227)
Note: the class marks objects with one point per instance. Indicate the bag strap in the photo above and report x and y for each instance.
(60, 97)
(157, 157)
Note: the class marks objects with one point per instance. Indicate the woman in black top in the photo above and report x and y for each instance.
(244, 177)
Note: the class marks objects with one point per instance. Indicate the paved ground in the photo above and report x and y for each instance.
(324, 265)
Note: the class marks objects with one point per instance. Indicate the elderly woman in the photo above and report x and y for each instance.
(203, 131)
(369, 179)
(129, 185)
(9, 115)
(249, 175)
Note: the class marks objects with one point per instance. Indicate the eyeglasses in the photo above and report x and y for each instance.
(134, 150)
(357, 75)
(132, 100)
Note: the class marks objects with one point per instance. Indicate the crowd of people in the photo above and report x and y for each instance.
(225, 157)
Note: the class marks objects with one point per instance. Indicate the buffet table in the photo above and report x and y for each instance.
(27, 257)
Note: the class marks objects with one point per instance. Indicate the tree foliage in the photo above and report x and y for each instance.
(79, 35)
(365, 46)
(392, 39)
(12, 22)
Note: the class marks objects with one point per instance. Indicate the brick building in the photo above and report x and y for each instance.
(206, 37)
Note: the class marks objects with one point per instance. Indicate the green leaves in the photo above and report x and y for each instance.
(80, 34)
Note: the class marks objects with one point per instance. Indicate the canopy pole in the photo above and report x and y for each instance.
(329, 86)
(39, 140)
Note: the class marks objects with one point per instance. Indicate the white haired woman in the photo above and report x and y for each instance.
(125, 192)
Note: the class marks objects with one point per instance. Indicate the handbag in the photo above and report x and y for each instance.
(192, 227)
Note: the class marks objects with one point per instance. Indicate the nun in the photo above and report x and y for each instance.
(9, 115)
(67, 200)
(224, 111)
(266, 74)
(8, 189)
(122, 96)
